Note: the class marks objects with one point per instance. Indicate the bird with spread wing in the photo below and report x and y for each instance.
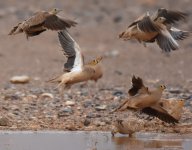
(157, 28)
(75, 70)
(42, 21)
(146, 101)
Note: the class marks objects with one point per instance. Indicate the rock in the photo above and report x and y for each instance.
(4, 121)
(101, 107)
(87, 103)
(36, 91)
(118, 93)
(87, 122)
(47, 95)
(92, 115)
(11, 97)
(65, 112)
(175, 90)
(69, 103)
(20, 79)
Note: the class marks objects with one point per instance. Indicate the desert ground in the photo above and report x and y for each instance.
(23, 106)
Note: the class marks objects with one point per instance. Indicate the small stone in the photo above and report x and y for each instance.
(11, 97)
(101, 107)
(87, 122)
(175, 90)
(117, 93)
(65, 112)
(87, 103)
(47, 95)
(20, 79)
(4, 121)
(69, 103)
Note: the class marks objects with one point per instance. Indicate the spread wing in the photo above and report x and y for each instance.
(54, 22)
(160, 113)
(178, 34)
(145, 24)
(171, 16)
(166, 41)
(71, 50)
(137, 87)
(137, 83)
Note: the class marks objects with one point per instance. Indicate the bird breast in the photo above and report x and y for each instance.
(78, 76)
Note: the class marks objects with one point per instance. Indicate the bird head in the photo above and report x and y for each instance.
(96, 61)
(161, 19)
(55, 11)
(162, 87)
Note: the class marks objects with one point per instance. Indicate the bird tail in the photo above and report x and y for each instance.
(70, 23)
(55, 80)
(15, 30)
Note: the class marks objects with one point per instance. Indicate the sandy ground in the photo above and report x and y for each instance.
(100, 22)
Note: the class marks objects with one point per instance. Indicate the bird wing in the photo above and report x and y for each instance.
(160, 113)
(166, 42)
(147, 25)
(71, 50)
(36, 20)
(54, 22)
(137, 86)
(171, 16)
(178, 34)
(137, 102)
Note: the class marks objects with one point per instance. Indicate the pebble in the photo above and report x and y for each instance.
(47, 95)
(20, 79)
(65, 112)
(87, 103)
(69, 103)
(87, 122)
(101, 107)
(175, 90)
(4, 121)
(118, 93)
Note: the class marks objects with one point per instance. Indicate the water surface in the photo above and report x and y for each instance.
(56, 140)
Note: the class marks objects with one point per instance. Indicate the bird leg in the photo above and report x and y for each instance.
(144, 44)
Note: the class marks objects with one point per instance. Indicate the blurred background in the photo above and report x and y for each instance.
(99, 23)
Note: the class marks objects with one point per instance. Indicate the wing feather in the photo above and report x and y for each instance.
(71, 50)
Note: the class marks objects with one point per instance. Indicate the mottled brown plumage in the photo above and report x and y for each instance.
(148, 103)
(42, 21)
(157, 28)
(159, 110)
(127, 126)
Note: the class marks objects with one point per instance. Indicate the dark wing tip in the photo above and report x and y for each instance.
(137, 84)
(166, 44)
(162, 116)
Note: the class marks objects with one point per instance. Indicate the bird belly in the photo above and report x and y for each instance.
(78, 77)
(143, 102)
(143, 36)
